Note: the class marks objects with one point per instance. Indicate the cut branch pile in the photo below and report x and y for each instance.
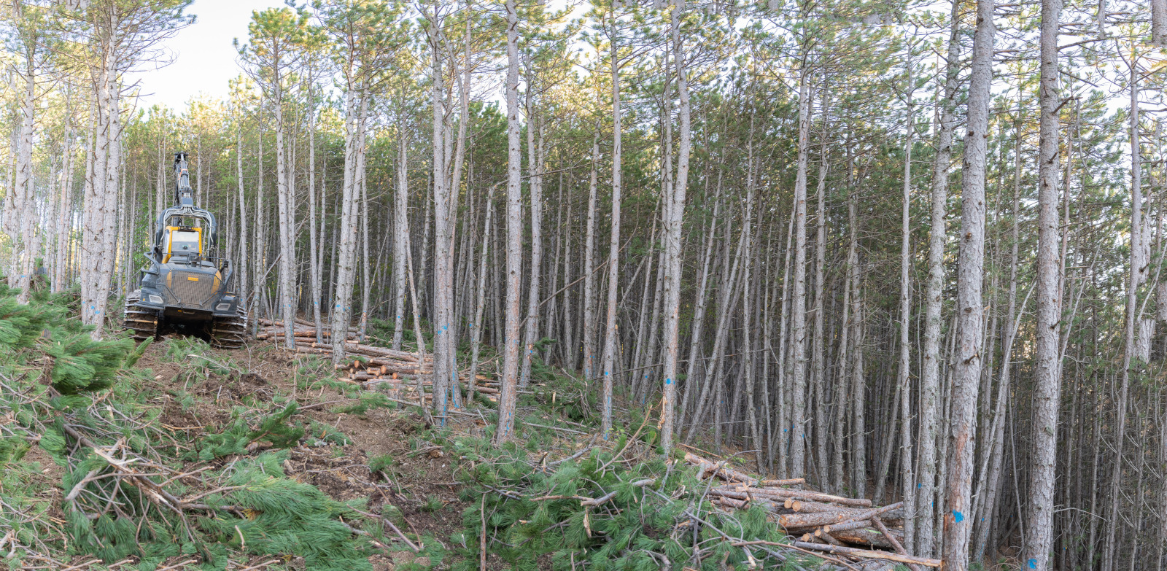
(846, 527)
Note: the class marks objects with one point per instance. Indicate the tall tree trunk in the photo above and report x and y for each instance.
(698, 326)
(970, 305)
(841, 381)
(510, 369)
(589, 295)
(64, 214)
(1038, 542)
(798, 317)
(674, 223)
(818, 365)
(365, 265)
(934, 302)
(907, 479)
(747, 310)
(260, 263)
(356, 106)
(535, 186)
(1137, 277)
(1159, 22)
(610, 333)
(994, 455)
(401, 234)
(287, 229)
(241, 261)
(313, 245)
(858, 384)
(25, 188)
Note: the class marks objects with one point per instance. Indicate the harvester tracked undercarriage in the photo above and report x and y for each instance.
(186, 287)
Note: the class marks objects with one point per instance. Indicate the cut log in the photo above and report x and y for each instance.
(804, 520)
(870, 554)
(800, 495)
(863, 536)
(709, 468)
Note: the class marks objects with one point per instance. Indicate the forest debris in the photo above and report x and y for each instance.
(847, 527)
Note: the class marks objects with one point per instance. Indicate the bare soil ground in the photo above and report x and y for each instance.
(420, 482)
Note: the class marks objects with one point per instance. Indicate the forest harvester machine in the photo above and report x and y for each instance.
(186, 286)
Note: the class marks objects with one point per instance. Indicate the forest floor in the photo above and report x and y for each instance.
(277, 461)
(421, 485)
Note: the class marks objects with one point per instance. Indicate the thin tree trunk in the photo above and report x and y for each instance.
(610, 333)
(970, 304)
(589, 295)
(510, 371)
(356, 106)
(994, 454)
(287, 229)
(698, 326)
(260, 264)
(818, 366)
(934, 302)
(907, 479)
(1039, 542)
(25, 188)
(535, 169)
(64, 214)
(1136, 278)
(797, 424)
(365, 267)
(241, 261)
(313, 246)
(476, 325)
(675, 214)
(401, 234)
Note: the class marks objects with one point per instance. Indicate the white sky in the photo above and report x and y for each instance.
(204, 58)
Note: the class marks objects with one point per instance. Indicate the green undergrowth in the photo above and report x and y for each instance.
(659, 517)
(63, 500)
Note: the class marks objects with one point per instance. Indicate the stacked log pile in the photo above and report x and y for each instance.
(849, 528)
(372, 365)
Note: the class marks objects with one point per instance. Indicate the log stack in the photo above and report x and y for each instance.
(847, 528)
(372, 365)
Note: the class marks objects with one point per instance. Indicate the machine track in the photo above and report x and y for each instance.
(229, 332)
(144, 323)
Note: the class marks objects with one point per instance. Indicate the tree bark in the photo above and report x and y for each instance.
(589, 296)
(610, 333)
(674, 216)
(1038, 542)
(907, 480)
(798, 317)
(401, 234)
(510, 369)
(241, 261)
(970, 305)
(934, 302)
(1136, 278)
(818, 365)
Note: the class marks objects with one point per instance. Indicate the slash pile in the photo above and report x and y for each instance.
(849, 528)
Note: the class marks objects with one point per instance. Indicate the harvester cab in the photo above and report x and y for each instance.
(186, 285)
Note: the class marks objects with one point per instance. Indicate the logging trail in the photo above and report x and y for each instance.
(420, 483)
